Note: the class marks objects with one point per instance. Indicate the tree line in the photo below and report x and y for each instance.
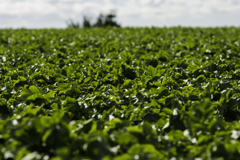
(103, 20)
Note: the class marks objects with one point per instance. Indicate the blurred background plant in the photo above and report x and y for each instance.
(86, 22)
(103, 20)
(72, 24)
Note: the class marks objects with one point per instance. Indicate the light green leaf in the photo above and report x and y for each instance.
(46, 135)
(34, 89)
(49, 95)
(167, 111)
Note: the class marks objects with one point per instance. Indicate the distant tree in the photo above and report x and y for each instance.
(106, 20)
(109, 20)
(72, 24)
(86, 22)
(102, 21)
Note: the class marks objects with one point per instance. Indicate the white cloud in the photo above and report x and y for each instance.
(126, 9)
(143, 8)
(26, 7)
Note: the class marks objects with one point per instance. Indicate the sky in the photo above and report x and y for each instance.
(132, 13)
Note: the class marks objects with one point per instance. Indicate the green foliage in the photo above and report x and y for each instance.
(119, 93)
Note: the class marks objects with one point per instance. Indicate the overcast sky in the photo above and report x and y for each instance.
(55, 13)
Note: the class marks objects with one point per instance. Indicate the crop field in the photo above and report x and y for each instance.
(120, 94)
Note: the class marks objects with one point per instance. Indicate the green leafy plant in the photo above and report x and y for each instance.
(119, 93)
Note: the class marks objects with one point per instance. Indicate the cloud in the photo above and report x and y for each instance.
(127, 10)
(161, 9)
(164, 9)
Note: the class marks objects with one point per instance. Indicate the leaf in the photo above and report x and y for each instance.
(25, 93)
(167, 111)
(145, 151)
(163, 91)
(34, 89)
(86, 80)
(126, 138)
(64, 87)
(151, 71)
(21, 78)
(46, 135)
(49, 95)
(87, 125)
